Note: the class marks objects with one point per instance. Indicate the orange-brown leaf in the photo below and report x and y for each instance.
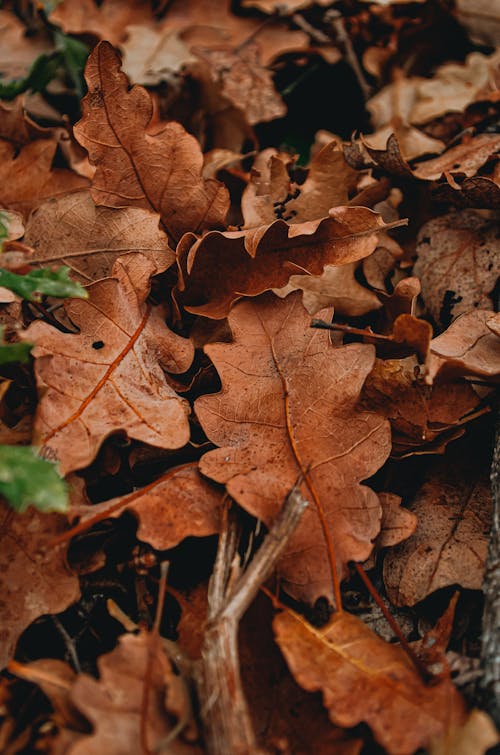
(364, 679)
(109, 376)
(159, 171)
(288, 404)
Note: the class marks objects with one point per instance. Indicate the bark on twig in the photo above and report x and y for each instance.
(223, 706)
(490, 654)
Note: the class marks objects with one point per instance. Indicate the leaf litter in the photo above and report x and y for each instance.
(232, 170)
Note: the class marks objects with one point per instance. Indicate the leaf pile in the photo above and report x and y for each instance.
(172, 218)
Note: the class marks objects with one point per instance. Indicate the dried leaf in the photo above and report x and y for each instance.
(475, 737)
(71, 230)
(288, 404)
(105, 20)
(109, 377)
(253, 261)
(177, 505)
(398, 523)
(18, 51)
(160, 171)
(151, 56)
(336, 287)
(35, 579)
(457, 263)
(363, 678)
(450, 543)
(469, 347)
(114, 703)
(465, 158)
(26, 179)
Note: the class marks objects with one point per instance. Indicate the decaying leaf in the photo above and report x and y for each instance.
(363, 678)
(457, 264)
(28, 178)
(179, 504)
(72, 231)
(114, 703)
(449, 545)
(253, 261)
(35, 578)
(470, 346)
(109, 377)
(288, 404)
(158, 171)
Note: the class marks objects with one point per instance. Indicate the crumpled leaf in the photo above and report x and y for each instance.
(177, 505)
(43, 282)
(106, 20)
(418, 413)
(109, 376)
(364, 679)
(457, 263)
(158, 171)
(336, 287)
(288, 403)
(449, 546)
(27, 480)
(470, 346)
(35, 579)
(71, 230)
(26, 179)
(113, 703)
(253, 261)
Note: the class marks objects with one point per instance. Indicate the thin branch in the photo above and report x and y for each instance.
(223, 706)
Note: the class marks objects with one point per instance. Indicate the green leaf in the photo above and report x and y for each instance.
(15, 352)
(43, 70)
(37, 282)
(27, 480)
(75, 54)
(4, 225)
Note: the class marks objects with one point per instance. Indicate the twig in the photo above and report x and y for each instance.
(490, 652)
(223, 706)
(335, 18)
(316, 34)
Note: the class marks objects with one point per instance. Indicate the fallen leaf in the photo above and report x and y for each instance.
(418, 413)
(288, 404)
(289, 6)
(336, 287)
(268, 188)
(364, 679)
(177, 505)
(470, 346)
(15, 124)
(72, 231)
(449, 545)
(114, 703)
(398, 523)
(457, 264)
(251, 262)
(105, 20)
(28, 178)
(160, 171)
(109, 377)
(479, 192)
(35, 579)
(244, 81)
(19, 51)
(151, 56)
(467, 158)
(475, 737)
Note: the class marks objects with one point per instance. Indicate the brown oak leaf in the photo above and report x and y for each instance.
(28, 178)
(218, 268)
(72, 231)
(160, 171)
(177, 505)
(418, 413)
(288, 405)
(364, 679)
(466, 158)
(114, 702)
(18, 51)
(470, 346)
(109, 377)
(449, 545)
(457, 263)
(105, 20)
(35, 579)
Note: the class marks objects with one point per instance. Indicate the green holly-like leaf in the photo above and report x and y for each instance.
(37, 282)
(43, 70)
(27, 480)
